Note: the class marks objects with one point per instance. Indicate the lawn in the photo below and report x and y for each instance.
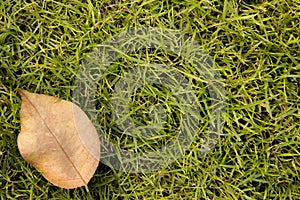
(255, 47)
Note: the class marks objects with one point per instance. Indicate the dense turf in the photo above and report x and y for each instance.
(256, 47)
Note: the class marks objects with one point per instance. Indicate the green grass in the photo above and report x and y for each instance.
(256, 47)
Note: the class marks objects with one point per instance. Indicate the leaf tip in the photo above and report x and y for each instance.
(22, 92)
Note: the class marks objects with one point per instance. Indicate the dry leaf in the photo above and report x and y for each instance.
(58, 139)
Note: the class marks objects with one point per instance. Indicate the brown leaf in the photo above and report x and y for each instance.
(58, 139)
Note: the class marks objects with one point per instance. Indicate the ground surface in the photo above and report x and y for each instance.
(255, 46)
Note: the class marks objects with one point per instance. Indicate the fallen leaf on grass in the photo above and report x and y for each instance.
(58, 139)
